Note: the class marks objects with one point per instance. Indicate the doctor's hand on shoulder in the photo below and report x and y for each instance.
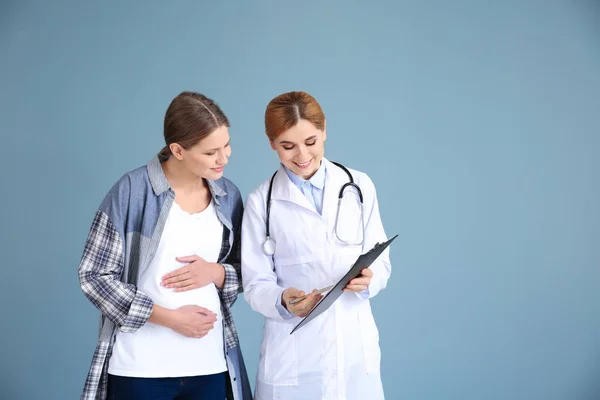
(361, 283)
(196, 274)
(302, 308)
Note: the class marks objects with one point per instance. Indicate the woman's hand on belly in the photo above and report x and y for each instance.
(198, 273)
(193, 321)
(190, 321)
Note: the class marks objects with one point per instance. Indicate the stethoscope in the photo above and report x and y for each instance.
(269, 244)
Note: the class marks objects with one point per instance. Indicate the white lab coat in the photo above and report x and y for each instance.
(337, 355)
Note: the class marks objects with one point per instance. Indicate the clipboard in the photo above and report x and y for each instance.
(362, 262)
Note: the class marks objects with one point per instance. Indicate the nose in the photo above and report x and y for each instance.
(302, 151)
(222, 159)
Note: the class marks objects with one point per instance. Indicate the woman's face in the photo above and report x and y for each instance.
(208, 157)
(301, 148)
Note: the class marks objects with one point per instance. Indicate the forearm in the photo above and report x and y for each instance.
(161, 316)
(265, 297)
(218, 273)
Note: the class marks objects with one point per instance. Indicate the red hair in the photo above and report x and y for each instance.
(285, 110)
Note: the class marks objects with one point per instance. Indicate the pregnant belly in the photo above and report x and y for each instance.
(207, 297)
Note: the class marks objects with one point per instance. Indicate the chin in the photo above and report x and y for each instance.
(305, 173)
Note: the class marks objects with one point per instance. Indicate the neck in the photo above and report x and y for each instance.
(181, 179)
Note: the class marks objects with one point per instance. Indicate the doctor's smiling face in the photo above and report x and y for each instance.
(301, 148)
(295, 126)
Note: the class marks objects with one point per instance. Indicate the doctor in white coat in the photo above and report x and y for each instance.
(310, 243)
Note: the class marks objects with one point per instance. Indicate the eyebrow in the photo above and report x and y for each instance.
(287, 142)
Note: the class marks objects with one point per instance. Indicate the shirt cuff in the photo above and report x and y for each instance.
(364, 295)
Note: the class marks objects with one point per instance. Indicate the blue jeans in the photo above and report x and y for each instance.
(204, 387)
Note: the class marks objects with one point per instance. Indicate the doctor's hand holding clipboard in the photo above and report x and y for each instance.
(293, 296)
(304, 228)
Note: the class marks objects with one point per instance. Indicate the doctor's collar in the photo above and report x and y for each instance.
(317, 180)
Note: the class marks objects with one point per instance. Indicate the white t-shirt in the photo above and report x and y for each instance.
(156, 351)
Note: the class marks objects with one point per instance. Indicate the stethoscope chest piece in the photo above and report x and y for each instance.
(269, 246)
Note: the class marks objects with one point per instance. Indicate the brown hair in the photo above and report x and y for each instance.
(191, 117)
(285, 110)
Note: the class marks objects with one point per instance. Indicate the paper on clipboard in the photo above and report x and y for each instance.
(362, 262)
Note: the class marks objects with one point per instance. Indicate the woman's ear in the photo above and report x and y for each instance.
(176, 150)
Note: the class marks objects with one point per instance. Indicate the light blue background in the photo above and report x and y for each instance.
(477, 120)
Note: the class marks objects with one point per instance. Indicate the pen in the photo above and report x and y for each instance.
(299, 299)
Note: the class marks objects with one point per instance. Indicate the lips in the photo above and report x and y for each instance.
(220, 169)
(303, 165)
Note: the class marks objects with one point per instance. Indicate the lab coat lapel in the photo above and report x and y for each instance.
(285, 190)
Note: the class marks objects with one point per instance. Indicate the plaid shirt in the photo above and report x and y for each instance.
(123, 239)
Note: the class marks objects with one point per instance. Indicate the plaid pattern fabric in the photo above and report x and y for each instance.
(100, 275)
(232, 283)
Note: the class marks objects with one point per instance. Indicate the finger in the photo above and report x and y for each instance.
(208, 325)
(297, 298)
(202, 310)
(367, 272)
(355, 288)
(179, 281)
(188, 259)
(293, 292)
(297, 308)
(310, 302)
(210, 319)
(178, 272)
(310, 305)
(298, 305)
(314, 297)
(176, 276)
(186, 288)
(360, 281)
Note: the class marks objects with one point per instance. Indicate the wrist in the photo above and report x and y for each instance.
(162, 316)
(283, 302)
(218, 275)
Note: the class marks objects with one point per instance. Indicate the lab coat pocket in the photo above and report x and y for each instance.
(281, 357)
(370, 339)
